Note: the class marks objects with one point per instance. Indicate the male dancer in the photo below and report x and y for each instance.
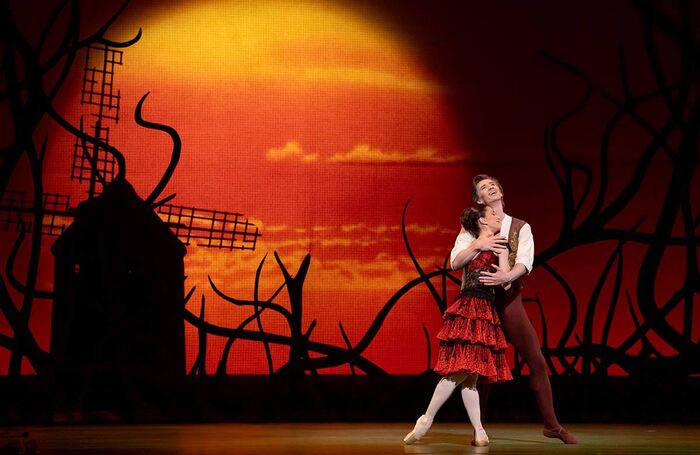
(519, 331)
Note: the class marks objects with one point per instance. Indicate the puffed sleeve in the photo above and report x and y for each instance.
(462, 242)
(526, 248)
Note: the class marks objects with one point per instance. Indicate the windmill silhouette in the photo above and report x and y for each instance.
(97, 166)
(117, 336)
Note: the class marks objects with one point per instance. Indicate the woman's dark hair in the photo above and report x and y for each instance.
(470, 219)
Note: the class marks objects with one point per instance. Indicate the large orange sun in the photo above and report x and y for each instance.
(319, 122)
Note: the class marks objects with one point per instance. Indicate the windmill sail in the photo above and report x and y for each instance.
(210, 228)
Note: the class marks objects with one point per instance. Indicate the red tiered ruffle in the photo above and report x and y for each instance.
(472, 341)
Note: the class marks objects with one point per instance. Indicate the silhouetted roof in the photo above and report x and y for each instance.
(119, 212)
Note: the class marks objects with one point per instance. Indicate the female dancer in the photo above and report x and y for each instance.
(472, 343)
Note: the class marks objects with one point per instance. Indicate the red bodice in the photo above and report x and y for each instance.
(482, 262)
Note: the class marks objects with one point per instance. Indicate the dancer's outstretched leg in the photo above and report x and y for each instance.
(524, 338)
(442, 392)
(470, 397)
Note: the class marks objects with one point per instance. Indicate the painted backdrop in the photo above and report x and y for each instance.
(314, 158)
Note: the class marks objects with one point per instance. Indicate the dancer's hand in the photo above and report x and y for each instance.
(500, 276)
(497, 244)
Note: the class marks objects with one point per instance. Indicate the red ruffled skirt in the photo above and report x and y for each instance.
(472, 340)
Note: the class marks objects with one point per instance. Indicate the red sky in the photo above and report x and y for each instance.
(320, 120)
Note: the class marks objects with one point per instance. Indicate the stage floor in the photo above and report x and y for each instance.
(355, 438)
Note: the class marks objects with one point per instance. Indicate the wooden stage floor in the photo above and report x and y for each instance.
(354, 438)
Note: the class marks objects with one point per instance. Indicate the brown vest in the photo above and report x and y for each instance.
(513, 238)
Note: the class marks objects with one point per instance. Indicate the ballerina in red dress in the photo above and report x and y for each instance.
(472, 343)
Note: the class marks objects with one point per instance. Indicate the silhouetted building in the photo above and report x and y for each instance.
(117, 338)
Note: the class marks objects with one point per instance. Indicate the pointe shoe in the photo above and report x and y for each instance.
(422, 426)
(482, 441)
(560, 433)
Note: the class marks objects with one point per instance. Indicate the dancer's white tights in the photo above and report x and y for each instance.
(470, 397)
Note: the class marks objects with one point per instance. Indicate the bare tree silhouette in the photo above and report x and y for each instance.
(298, 339)
(30, 87)
(683, 119)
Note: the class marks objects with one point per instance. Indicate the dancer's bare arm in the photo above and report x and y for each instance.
(470, 249)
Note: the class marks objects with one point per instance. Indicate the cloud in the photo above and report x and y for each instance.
(347, 242)
(352, 227)
(429, 229)
(235, 274)
(277, 228)
(363, 153)
(290, 150)
(345, 256)
(385, 271)
(334, 232)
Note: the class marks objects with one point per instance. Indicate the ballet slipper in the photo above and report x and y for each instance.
(422, 426)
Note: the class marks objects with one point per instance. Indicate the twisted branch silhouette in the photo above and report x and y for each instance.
(684, 118)
(300, 343)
